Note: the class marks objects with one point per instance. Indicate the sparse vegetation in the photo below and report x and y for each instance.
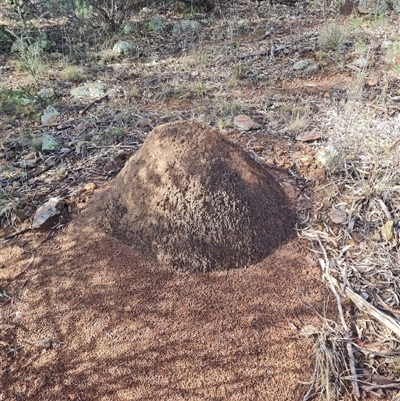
(236, 59)
(16, 102)
(334, 37)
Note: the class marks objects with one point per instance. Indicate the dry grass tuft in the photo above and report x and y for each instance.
(331, 372)
(9, 206)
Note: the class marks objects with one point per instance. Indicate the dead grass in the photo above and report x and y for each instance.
(331, 376)
(363, 251)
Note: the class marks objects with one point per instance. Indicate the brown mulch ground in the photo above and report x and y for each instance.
(92, 320)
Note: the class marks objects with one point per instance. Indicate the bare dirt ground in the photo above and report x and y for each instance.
(84, 317)
(92, 320)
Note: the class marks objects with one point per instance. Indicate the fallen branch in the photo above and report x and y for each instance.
(24, 230)
(365, 306)
(83, 111)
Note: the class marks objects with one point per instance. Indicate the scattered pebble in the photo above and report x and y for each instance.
(245, 123)
(338, 216)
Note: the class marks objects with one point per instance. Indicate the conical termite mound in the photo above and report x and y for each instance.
(193, 200)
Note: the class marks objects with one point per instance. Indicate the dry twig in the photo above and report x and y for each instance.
(365, 306)
(353, 371)
(27, 267)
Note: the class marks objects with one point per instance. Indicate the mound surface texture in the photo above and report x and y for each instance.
(193, 200)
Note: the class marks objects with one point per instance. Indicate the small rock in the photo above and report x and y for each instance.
(145, 11)
(258, 148)
(361, 62)
(185, 27)
(129, 28)
(51, 208)
(65, 151)
(49, 143)
(156, 24)
(50, 114)
(305, 160)
(338, 216)
(387, 230)
(373, 80)
(56, 56)
(92, 89)
(123, 48)
(25, 101)
(245, 123)
(308, 136)
(301, 65)
(90, 187)
(46, 93)
(320, 156)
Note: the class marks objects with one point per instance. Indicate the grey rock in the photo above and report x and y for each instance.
(49, 143)
(129, 28)
(156, 24)
(47, 211)
(186, 27)
(56, 55)
(301, 64)
(92, 89)
(46, 93)
(123, 48)
(49, 115)
(361, 62)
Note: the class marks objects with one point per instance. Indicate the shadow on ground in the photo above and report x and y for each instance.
(100, 322)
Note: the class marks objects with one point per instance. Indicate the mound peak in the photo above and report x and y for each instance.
(195, 201)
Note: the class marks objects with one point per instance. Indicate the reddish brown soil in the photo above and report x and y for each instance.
(98, 322)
